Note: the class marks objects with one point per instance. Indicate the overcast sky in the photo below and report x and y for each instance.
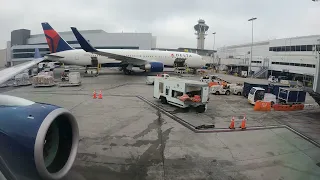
(171, 21)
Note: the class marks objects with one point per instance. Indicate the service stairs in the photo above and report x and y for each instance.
(261, 72)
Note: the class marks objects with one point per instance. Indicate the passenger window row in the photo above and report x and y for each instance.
(146, 56)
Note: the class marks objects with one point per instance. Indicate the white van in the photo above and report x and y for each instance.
(220, 89)
(258, 93)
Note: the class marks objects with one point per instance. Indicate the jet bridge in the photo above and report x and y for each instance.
(315, 92)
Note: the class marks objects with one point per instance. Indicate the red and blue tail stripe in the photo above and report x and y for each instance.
(54, 40)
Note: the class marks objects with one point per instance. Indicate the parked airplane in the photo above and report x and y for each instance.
(148, 60)
(37, 140)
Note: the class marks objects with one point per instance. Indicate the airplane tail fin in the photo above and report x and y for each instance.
(55, 42)
(85, 45)
(37, 54)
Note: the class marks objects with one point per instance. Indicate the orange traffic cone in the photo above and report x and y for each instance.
(232, 124)
(243, 123)
(94, 96)
(100, 95)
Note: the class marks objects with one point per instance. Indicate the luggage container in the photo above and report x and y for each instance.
(74, 80)
(273, 88)
(22, 80)
(43, 81)
(74, 77)
(291, 96)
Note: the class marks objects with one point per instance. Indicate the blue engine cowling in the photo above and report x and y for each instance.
(154, 67)
(37, 141)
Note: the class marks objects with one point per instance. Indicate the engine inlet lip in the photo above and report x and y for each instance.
(38, 146)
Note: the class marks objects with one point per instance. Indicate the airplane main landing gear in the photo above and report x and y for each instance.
(127, 72)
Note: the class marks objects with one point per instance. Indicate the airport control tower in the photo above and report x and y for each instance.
(201, 31)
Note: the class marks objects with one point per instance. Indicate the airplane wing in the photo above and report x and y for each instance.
(10, 72)
(85, 45)
(53, 56)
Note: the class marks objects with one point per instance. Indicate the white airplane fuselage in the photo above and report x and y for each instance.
(83, 58)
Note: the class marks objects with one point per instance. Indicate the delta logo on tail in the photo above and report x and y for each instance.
(52, 40)
(55, 42)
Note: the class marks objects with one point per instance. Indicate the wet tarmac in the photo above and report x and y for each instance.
(123, 137)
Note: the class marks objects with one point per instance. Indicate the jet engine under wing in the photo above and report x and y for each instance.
(85, 45)
(10, 72)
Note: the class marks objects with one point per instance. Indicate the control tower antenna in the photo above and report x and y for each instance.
(201, 31)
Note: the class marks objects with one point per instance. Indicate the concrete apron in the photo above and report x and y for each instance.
(217, 130)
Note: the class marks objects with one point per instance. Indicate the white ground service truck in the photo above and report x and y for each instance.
(272, 79)
(209, 78)
(220, 89)
(236, 88)
(150, 79)
(182, 93)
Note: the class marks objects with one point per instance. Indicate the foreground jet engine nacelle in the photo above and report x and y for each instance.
(37, 141)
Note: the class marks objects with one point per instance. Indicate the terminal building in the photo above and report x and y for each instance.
(22, 45)
(296, 58)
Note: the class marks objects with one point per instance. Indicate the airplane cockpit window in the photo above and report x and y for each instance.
(6, 100)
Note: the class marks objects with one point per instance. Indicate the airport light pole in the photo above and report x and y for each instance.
(316, 76)
(214, 43)
(252, 19)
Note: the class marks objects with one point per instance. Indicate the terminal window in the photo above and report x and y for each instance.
(29, 50)
(288, 48)
(256, 62)
(294, 64)
(295, 48)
